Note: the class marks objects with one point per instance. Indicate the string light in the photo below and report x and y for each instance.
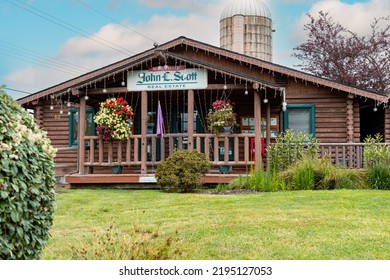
(265, 98)
(104, 89)
(68, 104)
(284, 104)
(246, 89)
(51, 102)
(123, 83)
(86, 94)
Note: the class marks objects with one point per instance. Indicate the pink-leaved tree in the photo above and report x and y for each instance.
(332, 51)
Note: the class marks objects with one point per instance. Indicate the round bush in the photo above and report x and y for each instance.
(182, 171)
(27, 181)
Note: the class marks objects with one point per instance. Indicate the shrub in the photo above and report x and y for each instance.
(114, 244)
(375, 152)
(289, 148)
(27, 197)
(320, 174)
(182, 171)
(258, 181)
(378, 176)
(351, 179)
(377, 162)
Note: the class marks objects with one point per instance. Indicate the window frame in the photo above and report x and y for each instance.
(72, 113)
(312, 115)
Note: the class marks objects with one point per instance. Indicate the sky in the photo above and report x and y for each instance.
(45, 42)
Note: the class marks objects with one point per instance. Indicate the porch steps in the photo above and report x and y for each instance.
(76, 180)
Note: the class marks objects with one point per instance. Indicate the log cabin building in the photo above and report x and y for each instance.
(269, 98)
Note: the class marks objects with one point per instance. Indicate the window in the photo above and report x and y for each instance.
(300, 118)
(184, 122)
(74, 125)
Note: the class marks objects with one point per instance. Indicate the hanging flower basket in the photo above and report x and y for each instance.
(114, 119)
(221, 118)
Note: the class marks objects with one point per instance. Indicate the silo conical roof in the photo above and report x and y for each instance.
(246, 8)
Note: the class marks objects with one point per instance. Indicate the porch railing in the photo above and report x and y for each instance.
(240, 152)
(346, 155)
(116, 153)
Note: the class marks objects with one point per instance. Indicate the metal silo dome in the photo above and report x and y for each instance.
(246, 8)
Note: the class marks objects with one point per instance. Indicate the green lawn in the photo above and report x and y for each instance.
(342, 224)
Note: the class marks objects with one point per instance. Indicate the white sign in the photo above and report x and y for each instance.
(167, 78)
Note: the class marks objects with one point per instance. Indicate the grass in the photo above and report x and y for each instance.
(339, 224)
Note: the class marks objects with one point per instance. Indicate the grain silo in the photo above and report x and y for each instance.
(246, 27)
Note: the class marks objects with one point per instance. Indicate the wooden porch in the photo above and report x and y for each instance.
(100, 156)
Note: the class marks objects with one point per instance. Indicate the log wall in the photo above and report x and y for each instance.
(387, 125)
(57, 127)
(332, 111)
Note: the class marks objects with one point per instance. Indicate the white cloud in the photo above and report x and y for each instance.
(200, 22)
(356, 17)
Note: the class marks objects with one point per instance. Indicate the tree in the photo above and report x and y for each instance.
(334, 52)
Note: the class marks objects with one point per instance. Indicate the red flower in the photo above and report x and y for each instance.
(119, 100)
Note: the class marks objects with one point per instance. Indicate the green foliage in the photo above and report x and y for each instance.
(378, 176)
(289, 148)
(182, 171)
(320, 174)
(258, 181)
(114, 244)
(351, 179)
(377, 162)
(27, 197)
(263, 181)
(375, 152)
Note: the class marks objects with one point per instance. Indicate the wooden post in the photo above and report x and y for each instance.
(190, 119)
(268, 116)
(144, 120)
(257, 110)
(350, 121)
(268, 137)
(81, 134)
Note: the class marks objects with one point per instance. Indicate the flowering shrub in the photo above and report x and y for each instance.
(27, 183)
(114, 119)
(221, 116)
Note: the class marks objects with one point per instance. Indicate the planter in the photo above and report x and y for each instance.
(227, 130)
(223, 131)
(116, 169)
(225, 169)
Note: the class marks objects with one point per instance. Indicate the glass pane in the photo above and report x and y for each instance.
(184, 122)
(299, 120)
(89, 124)
(152, 120)
(75, 116)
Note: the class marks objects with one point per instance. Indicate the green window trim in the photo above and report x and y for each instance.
(73, 131)
(312, 116)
